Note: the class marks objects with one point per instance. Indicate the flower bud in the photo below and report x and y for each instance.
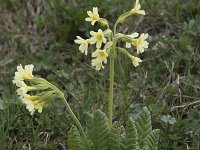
(124, 17)
(103, 22)
(107, 33)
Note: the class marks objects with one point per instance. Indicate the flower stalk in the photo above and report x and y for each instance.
(73, 116)
(110, 99)
(111, 82)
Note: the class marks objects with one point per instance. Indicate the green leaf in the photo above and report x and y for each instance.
(151, 141)
(98, 130)
(131, 136)
(90, 126)
(123, 141)
(75, 141)
(143, 124)
(114, 139)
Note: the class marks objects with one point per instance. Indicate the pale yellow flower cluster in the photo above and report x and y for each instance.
(101, 53)
(140, 43)
(32, 102)
(97, 38)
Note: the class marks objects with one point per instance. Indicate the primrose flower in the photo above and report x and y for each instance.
(93, 16)
(134, 35)
(32, 103)
(19, 83)
(98, 38)
(83, 44)
(101, 56)
(97, 64)
(140, 43)
(24, 89)
(136, 9)
(23, 73)
(44, 91)
(135, 60)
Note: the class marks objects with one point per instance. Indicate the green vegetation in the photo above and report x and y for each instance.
(167, 82)
(138, 135)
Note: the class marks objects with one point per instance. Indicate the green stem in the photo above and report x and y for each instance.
(111, 90)
(115, 28)
(78, 124)
(112, 72)
(112, 66)
(72, 115)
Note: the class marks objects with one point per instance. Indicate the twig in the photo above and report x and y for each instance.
(185, 105)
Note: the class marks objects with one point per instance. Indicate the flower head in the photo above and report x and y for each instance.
(135, 60)
(97, 64)
(101, 56)
(32, 103)
(23, 73)
(83, 44)
(136, 9)
(134, 35)
(93, 16)
(98, 38)
(23, 89)
(39, 100)
(140, 43)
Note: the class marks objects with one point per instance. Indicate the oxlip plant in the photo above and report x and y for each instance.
(100, 132)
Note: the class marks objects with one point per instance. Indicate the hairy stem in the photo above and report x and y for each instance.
(78, 124)
(111, 90)
(72, 115)
(112, 72)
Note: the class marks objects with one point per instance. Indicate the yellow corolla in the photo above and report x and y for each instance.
(101, 56)
(23, 73)
(141, 43)
(134, 35)
(135, 60)
(32, 103)
(136, 9)
(93, 16)
(83, 44)
(98, 38)
(39, 105)
(23, 88)
(97, 64)
(18, 83)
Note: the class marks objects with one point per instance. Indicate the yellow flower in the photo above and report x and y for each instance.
(135, 60)
(83, 44)
(23, 88)
(140, 43)
(39, 106)
(97, 37)
(19, 83)
(136, 9)
(32, 103)
(23, 73)
(97, 64)
(93, 16)
(134, 35)
(101, 56)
